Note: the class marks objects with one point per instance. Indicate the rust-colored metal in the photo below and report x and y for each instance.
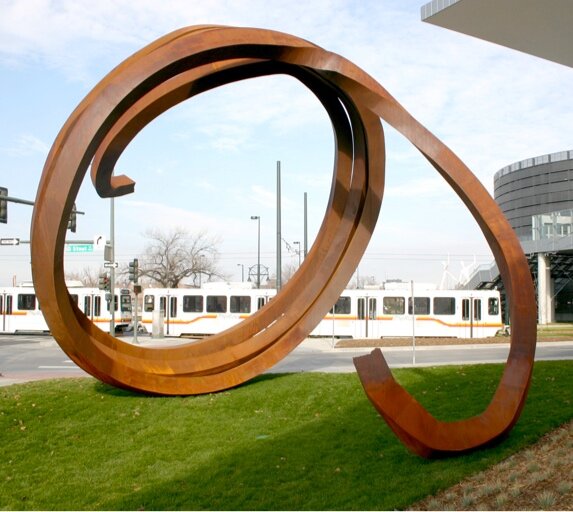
(197, 59)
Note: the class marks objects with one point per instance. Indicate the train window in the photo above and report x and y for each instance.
(97, 305)
(126, 302)
(1, 305)
(465, 309)
(192, 303)
(421, 305)
(444, 306)
(216, 304)
(394, 305)
(492, 306)
(26, 301)
(260, 302)
(372, 309)
(240, 304)
(173, 307)
(342, 306)
(361, 309)
(87, 305)
(477, 309)
(148, 303)
(8, 304)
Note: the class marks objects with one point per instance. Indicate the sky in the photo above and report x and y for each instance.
(209, 164)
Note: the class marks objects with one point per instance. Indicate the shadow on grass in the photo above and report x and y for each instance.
(344, 461)
(107, 389)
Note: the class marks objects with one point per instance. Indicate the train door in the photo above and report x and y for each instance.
(170, 313)
(367, 312)
(6, 310)
(472, 317)
(88, 310)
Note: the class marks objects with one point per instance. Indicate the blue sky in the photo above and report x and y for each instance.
(209, 164)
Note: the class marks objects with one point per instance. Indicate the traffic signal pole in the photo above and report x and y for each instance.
(112, 269)
(134, 276)
(5, 199)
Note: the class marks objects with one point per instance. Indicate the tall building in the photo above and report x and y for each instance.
(531, 192)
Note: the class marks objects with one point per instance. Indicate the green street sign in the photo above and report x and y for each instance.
(79, 248)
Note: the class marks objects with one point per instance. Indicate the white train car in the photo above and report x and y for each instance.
(356, 314)
(204, 311)
(20, 310)
(436, 313)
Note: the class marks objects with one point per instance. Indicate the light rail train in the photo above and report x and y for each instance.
(20, 310)
(375, 313)
(202, 312)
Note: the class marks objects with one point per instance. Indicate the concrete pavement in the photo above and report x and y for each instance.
(313, 354)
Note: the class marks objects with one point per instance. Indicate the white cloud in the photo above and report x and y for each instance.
(26, 144)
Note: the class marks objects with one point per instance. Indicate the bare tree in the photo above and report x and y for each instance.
(171, 257)
(288, 270)
(87, 276)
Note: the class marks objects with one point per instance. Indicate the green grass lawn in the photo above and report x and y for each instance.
(293, 441)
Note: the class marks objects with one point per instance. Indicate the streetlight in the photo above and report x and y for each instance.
(242, 271)
(298, 251)
(258, 219)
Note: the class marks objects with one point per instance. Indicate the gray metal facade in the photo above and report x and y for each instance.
(534, 186)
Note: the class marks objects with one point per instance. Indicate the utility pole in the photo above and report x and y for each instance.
(305, 227)
(279, 236)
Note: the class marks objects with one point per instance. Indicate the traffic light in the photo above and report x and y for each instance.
(3, 206)
(72, 222)
(104, 282)
(134, 270)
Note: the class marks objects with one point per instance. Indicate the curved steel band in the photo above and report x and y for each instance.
(197, 59)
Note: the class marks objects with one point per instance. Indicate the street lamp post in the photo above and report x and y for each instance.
(298, 251)
(258, 219)
(242, 271)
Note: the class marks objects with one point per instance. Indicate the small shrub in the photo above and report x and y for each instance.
(468, 500)
(501, 500)
(545, 500)
(515, 492)
(434, 504)
(489, 489)
(533, 467)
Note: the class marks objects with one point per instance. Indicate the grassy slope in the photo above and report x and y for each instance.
(298, 441)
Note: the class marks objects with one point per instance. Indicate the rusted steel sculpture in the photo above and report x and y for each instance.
(196, 59)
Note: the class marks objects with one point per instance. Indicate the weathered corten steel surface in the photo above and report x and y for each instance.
(196, 59)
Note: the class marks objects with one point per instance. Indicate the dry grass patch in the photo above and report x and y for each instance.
(538, 478)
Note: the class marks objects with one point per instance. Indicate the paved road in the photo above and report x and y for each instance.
(38, 357)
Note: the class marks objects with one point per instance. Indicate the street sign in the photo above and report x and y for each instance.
(110, 264)
(9, 241)
(79, 248)
(99, 242)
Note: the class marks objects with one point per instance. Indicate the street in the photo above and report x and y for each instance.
(30, 357)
